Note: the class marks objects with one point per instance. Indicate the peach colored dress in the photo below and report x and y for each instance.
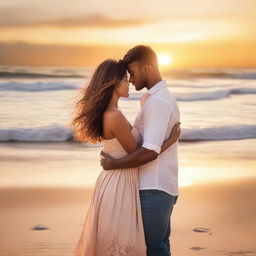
(113, 224)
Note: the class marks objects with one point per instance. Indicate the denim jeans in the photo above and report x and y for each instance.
(156, 206)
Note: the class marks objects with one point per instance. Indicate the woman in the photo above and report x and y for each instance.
(113, 225)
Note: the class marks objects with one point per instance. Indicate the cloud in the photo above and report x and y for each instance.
(10, 18)
(22, 53)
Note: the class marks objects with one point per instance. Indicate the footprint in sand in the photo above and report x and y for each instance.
(39, 227)
(197, 248)
(201, 230)
(245, 253)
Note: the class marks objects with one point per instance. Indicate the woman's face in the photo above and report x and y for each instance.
(122, 89)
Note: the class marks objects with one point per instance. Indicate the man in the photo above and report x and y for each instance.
(158, 179)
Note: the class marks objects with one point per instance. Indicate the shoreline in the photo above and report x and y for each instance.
(73, 165)
(72, 142)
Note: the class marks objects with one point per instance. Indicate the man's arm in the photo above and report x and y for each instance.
(138, 157)
(155, 127)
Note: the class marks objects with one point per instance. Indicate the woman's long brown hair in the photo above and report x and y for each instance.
(87, 123)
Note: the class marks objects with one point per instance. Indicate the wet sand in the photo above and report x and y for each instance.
(223, 215)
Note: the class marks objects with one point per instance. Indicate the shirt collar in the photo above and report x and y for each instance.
(161, 84)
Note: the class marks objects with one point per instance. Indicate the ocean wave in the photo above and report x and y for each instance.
(37, 134)
(72, 85)
(214, 95)
(245, 73)
(234, 132)
(61, 134)
(244, 76)
(9, 74)
(38, 86)
(81, 72)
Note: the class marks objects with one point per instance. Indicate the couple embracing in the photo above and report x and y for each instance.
(134, 195)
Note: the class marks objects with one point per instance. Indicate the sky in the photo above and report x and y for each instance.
(186, 33)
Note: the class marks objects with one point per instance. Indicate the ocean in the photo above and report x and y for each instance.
(216, 104)
(218, 123)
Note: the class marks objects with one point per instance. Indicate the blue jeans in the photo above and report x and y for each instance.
(156, 206)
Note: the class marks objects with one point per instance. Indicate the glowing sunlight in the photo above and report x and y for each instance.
(164, 59)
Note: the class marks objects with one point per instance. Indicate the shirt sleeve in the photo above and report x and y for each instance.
(156, 117)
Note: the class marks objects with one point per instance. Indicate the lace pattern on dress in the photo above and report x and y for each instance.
(114, 248)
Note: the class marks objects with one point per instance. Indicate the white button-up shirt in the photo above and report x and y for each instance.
(154, 122)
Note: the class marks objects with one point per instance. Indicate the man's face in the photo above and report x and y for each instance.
(137, 75)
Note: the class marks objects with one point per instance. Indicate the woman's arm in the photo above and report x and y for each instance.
(175, 134)
(138, 157)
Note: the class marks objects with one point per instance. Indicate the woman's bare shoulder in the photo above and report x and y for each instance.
(113, 113)
(114, 116)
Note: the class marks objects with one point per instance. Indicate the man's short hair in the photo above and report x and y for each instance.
(141, 53)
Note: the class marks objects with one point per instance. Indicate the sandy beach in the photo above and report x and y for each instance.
(225, 211)
(50, 185)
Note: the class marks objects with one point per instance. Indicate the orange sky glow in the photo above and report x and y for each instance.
(82, 33)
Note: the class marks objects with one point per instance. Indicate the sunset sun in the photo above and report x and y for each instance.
(164, 59)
